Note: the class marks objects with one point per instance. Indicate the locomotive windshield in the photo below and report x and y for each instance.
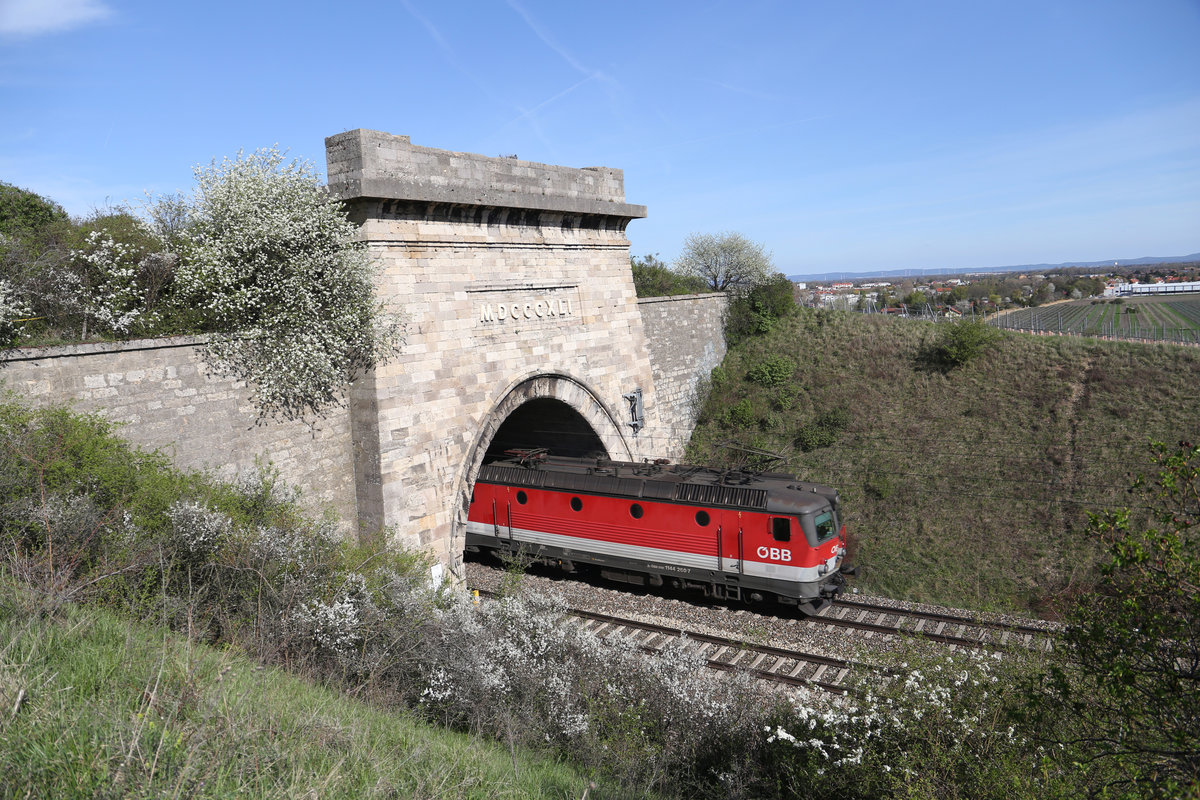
(820, 527)
(825, 526)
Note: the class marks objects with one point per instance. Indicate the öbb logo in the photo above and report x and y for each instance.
(775, 553)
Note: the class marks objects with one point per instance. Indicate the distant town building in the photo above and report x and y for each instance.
(1127, 289)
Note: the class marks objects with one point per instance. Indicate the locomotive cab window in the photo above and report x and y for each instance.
(781, 529)
(820, 527)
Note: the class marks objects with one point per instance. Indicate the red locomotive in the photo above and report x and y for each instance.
(732, 534)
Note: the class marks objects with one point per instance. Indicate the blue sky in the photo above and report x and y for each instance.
(844, 136)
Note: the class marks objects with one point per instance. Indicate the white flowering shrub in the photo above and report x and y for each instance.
(14, 310)
(105, 288)
(939, 726)
(338, 627)
(515, 667)
(276, 266)
(197, 531)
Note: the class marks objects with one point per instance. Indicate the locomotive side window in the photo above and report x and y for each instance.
(781, 529)
(702, 518)
(522, 498)
(576, 504)
(635, 511)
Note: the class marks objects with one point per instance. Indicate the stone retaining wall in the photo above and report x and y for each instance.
(686, 337)
(163, 398)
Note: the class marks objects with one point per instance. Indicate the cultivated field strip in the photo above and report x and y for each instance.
(955, 630)
(1152, 319)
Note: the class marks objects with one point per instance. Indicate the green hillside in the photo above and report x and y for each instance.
(967, 485)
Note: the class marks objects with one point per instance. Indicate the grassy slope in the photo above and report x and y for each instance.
(967, 487)
(109, 708)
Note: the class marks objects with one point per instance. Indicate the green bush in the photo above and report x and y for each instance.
(773, 371)
(960, 342)
(652, 277)
(759, 311)
(823, 431)
(740, 414)
(1126, 688)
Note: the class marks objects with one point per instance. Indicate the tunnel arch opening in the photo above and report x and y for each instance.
(546, 422)
(533, 410)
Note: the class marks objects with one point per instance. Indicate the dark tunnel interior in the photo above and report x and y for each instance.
(549, 423)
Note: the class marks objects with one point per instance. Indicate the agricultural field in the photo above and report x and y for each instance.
(1161, 319)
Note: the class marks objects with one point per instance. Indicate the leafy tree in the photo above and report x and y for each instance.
(915, 298)
(1129, 679)
(24, 214)
(774, 296)
(653, 277)
(275, 263)
(727, 262)
(35, 239)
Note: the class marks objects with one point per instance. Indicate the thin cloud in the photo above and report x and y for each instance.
(39, 17)
(542, 34)
(449, 52)
(529, 113)
(609, 85)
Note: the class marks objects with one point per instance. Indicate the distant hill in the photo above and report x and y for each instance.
(930, 273)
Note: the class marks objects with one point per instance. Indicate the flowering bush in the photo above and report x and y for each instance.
(105, 288)
(275, 264)
(198, 530)
(13, 310)
(516, 667)
(260, 257)
(238, 565)
(932, 726)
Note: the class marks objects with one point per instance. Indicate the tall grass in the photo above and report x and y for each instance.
(92, 705)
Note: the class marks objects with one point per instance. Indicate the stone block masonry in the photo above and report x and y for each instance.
(686, 337)
(162, 397)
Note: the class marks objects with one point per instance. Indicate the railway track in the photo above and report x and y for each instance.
(737, 637)
(954, 630)
(775, 665)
